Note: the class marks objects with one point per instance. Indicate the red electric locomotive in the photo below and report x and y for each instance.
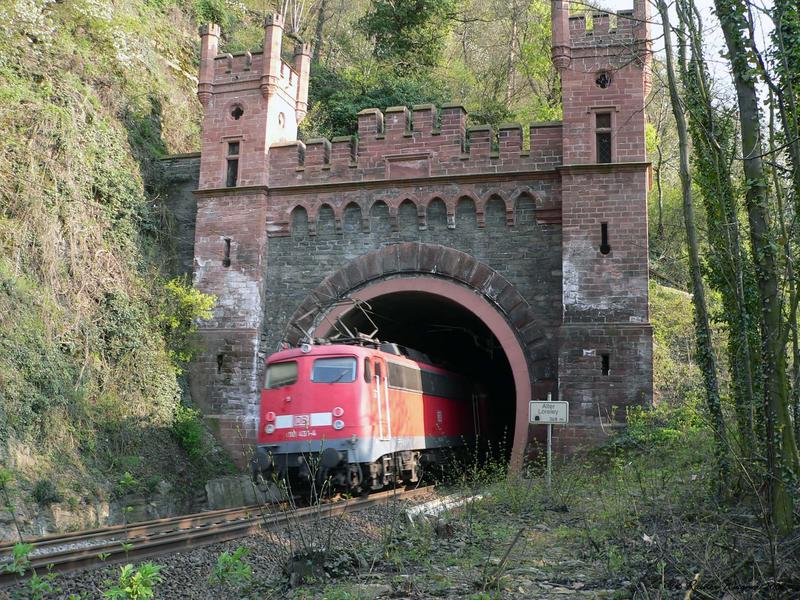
(363, 415)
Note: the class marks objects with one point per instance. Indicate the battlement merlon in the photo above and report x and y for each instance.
(403, 144)
(302, 64)
(209, 44)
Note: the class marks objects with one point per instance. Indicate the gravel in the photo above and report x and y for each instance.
(185, 574)
(73, 546)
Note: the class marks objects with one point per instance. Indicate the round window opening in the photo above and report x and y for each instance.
(603, 79)
(237, 112)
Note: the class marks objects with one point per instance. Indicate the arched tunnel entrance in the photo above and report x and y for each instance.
(458, 329)
(453, 338)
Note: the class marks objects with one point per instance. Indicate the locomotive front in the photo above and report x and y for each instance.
(359, 417)
(311, 415)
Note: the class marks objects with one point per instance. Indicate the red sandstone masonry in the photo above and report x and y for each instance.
(543, 191)
(605, 304)
(424, 118)
(442, 150)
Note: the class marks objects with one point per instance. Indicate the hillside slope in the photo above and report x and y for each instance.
(92, 336)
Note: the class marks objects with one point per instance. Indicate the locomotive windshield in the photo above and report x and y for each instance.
(281, 374)
(341, 369)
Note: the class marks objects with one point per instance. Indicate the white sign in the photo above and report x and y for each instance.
(543, 412)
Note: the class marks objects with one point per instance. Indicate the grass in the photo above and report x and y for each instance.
(634, 519)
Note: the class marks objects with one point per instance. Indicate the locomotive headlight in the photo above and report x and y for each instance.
(338, 424)
(338, 411)
(270, 416)
(270, 428)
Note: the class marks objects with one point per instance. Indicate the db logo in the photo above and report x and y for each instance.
(301, 420)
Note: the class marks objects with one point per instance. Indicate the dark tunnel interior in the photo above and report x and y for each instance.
(455, 339)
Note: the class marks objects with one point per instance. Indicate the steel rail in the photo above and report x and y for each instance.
(154, 539)
(134, 529)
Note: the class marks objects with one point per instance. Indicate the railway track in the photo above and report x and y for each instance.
(139, 541)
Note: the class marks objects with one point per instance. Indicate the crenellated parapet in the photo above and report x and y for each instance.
(607, 29)
(265, 70)
(417, 143)
(243, 69)
(614, 36)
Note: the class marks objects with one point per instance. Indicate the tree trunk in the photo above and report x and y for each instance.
(511, 60)
(785, 93)
(787, 19)
(660, 191)
(781, 449)
(319, 32)
(790, 277)
(714, 149)
(705, 351)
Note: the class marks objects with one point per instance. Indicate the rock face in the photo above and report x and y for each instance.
(35, 520)
(67, 518)
(228, 492)
(551, 239)
(238, 490)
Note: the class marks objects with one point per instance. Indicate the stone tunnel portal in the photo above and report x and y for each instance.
(460, 331)
(544, 243)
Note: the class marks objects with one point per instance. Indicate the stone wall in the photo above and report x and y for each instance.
(527, 253)
(180, 175)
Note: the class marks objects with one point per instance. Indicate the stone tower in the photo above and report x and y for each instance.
(250, 101)
(606, 348)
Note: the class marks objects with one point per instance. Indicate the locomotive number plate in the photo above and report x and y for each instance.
(302, 420)
(548, 413)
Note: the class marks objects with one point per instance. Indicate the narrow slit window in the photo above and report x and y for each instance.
(220, 362)
(605, 248)
(603, 137)
(226, 257)
(606, 364)
(232, 174)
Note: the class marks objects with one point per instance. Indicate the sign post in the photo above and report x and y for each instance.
(548, 413)
(549, 454)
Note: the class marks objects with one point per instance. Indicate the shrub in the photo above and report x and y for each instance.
(128, 484)
(188, 429)
(180, 307)
(231, 569)
(660, 425)
(134, 584)
(45, 492)
(40, 587)
(19, 559)
(336, 96)
(212, 11)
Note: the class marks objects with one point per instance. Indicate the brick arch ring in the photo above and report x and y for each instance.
(444, 272)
